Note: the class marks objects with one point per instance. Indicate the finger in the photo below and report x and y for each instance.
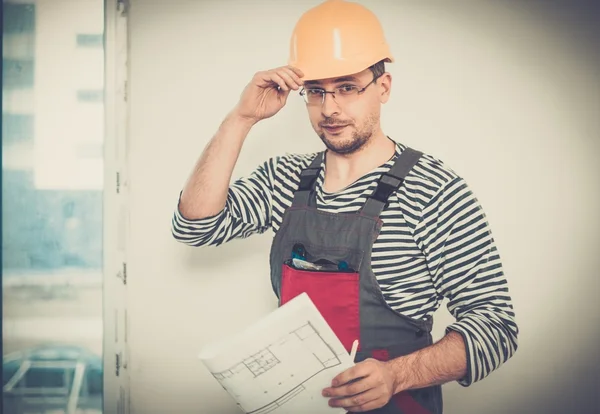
(353, 387)
(290, 83)
(269, 79)
(296, 70)
(357, 401)
(362, 369)
(291, 76)
(369, 406)
(275, 78)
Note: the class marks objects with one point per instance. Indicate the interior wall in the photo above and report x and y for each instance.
(505, 93)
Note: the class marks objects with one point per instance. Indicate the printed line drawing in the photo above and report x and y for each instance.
(279, 402)
(257, 364)
(280, 363)
(281, 357)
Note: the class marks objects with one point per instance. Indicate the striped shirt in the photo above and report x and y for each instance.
(435, 243)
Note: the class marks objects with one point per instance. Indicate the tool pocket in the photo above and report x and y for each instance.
(323, 259)
(334, 289)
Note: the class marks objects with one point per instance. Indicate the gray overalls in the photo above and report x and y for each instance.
(349, 296)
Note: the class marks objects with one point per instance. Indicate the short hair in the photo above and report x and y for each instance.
(378, 68)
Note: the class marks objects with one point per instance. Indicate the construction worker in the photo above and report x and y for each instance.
(375, 232)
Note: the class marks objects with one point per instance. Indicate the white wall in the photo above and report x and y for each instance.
(504, 94)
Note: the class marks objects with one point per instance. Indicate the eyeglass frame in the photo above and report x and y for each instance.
(325, 92)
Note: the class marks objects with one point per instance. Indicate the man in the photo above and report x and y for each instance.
(375, 232)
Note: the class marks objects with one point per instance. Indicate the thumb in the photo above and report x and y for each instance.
(283, 95)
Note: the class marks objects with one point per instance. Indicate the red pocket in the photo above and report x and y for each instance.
(381, 354)
(408, 404)
(335, 294)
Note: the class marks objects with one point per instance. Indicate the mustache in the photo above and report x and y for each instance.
(333, 123)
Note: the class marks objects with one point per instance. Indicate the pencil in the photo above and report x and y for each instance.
(353, 351)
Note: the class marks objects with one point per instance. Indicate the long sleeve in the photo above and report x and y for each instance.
(247, 211)
(466, 268)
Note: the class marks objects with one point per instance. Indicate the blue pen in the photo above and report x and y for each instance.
(298, 251)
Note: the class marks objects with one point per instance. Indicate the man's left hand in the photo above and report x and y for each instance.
(373, 384)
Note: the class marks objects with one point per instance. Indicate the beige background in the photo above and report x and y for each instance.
(506, 94)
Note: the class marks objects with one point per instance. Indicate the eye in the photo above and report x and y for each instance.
(346, 89)
(314, 92)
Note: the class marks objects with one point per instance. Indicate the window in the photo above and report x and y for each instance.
(9, 369)
(90, 40)
(17, 127)
(17, 73)
(47, 378)
(18, 18)
(52, 196)
(94, 381)
(90, 95)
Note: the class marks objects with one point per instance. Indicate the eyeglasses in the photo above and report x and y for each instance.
(342, 94)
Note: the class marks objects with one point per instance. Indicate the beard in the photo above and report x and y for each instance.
(354, 143)
(348, 145)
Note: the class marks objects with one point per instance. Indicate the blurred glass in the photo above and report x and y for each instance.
(52, 183)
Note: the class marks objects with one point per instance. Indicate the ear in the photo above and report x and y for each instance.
(385, 87)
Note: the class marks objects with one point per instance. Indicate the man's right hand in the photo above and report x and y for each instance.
(205, 193)
(267, 93)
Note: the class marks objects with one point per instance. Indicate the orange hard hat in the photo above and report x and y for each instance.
(337, 38)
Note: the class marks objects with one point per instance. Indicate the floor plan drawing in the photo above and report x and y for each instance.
(287, 362)
(303, 343)
(257, 364)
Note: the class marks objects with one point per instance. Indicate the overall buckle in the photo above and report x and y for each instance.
(388, 183)
(307, 178)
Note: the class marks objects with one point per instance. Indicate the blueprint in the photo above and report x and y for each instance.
(281, 364)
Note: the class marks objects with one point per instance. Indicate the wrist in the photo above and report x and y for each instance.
(242, 120)
(403, 373)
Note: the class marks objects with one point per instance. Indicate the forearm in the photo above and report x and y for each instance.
(205, 192)
(437, 364)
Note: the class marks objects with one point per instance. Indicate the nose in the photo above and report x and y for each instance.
(329, 107)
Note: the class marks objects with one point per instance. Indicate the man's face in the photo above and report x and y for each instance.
(346, 123)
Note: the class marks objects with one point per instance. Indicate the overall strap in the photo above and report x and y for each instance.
(305, 195)
(390, 182)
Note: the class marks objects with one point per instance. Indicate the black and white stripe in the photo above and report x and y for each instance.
(435, 243)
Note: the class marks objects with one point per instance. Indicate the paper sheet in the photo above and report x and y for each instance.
(281, 364)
